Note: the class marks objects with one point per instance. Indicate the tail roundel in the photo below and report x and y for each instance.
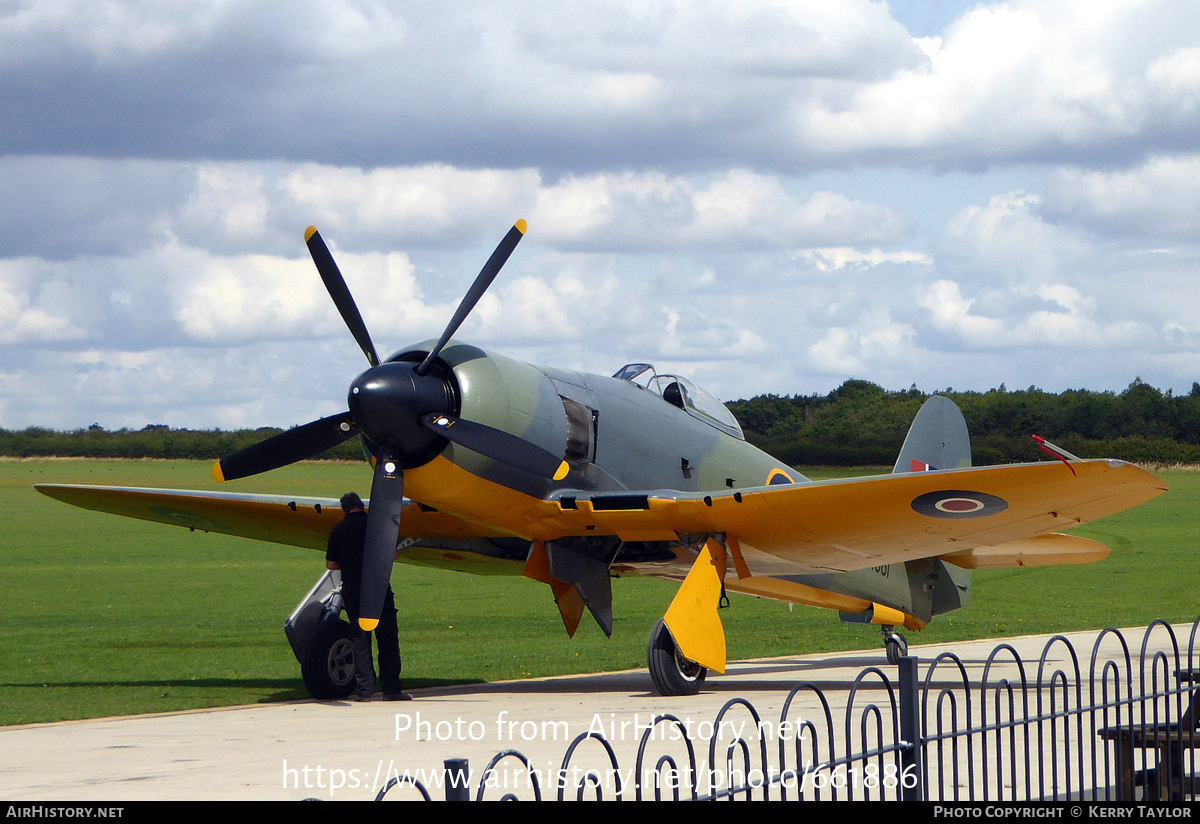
(937, 439)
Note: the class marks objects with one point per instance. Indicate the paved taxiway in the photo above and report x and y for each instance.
(346, 750)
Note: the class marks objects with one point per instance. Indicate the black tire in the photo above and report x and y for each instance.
(328, 664)
(671, 672)
(897, 648)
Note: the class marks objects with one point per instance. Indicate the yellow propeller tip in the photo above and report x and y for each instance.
(368, 624)
(521, 226)
(562, 471)
(309, 232)
(218, 475)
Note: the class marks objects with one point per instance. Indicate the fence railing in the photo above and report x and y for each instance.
(1123, 727)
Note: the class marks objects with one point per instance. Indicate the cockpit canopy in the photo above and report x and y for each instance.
(682, 392)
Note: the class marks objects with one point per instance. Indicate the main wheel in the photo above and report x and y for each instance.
(897, 648)
(671, 672)
(328, 664)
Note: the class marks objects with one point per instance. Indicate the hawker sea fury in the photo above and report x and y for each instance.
(483, 463)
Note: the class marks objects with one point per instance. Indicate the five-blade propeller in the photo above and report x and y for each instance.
(406, 411)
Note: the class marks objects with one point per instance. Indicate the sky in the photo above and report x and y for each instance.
(767, 196)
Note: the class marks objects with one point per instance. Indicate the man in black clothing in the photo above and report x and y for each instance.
(345, 553)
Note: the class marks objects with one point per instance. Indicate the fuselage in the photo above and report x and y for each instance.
(635, 431)
(615, 433)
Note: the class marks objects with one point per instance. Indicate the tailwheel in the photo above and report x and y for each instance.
(896, 645)
(671, 672)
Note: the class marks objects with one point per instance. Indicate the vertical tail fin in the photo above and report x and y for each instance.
(937, 439)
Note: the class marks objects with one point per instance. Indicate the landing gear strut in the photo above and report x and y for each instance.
(671, 672)
(894, 642)
(322, 641)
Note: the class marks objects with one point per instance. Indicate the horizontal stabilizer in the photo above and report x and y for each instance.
(1042, 550)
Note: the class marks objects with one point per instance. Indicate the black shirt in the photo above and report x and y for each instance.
(345, 548)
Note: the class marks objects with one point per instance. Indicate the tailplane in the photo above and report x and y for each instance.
(937, 439)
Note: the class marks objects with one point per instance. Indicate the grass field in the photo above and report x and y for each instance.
(107, 616)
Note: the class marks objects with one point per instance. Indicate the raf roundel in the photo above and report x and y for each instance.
(957, 503)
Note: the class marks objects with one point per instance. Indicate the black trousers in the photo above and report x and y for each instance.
(387, 638)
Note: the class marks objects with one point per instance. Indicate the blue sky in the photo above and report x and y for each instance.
(769, 196)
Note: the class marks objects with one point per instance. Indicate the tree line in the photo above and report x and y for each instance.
(859, 423)
(153, 441)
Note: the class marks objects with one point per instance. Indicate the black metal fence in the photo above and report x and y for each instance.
(1120, 726)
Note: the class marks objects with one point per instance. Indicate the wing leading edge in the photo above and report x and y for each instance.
(281, 519)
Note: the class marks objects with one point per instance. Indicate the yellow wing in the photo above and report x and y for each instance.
(834, 525)
(842, 525)
(290, 520)
(990, 516)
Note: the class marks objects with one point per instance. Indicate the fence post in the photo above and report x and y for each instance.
(457, 775)
(910, 732)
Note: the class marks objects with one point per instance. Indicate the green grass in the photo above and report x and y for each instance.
(108, 616)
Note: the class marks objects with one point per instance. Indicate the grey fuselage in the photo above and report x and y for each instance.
(615, 434)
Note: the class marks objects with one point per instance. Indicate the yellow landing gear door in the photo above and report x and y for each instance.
(692, 617)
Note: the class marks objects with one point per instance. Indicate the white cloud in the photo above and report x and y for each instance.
(1010, 239)
(29, 307)
(1174, 84)
(239, 208)
(255, 297)
(1022, 80)
(434, 202)
(952, 313)
(687, 335)
(735, 210)
(842, 257)
(875, 343)
(705, 183)
(246, 386)
(228, 205)
(770, 85)
(1158, 199)
(1065, 319)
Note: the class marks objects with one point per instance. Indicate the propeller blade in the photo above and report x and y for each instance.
(482, 281)
(287, 447)
(383, 533)
(335, 284)
(497, 445)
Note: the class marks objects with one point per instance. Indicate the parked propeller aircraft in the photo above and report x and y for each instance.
(487, 464)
